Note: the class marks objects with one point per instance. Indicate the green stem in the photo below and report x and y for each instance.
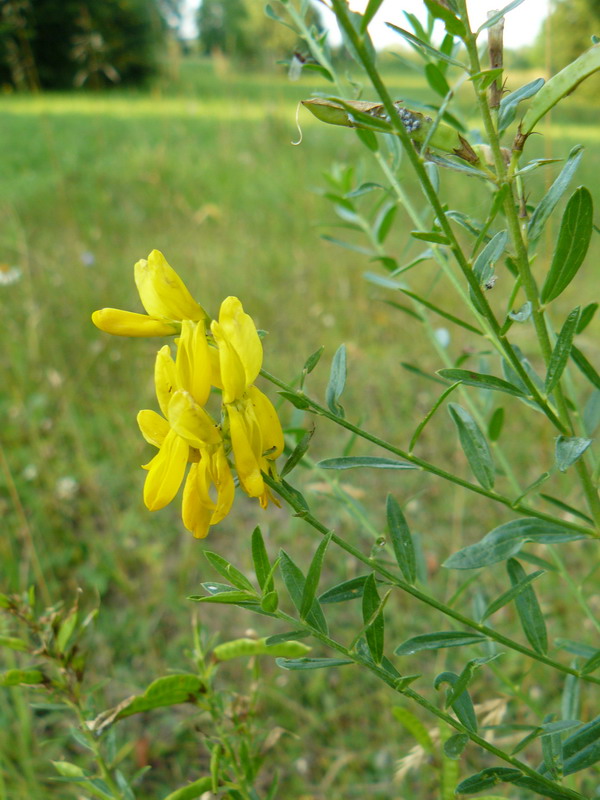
(373, 564)
(522, 261)
(426, 465)
(406, 691)
(416, 161)
(93, 745)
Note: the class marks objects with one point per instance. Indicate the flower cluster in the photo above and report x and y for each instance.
(225, 354)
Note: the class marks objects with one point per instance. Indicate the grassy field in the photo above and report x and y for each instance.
(202, 168)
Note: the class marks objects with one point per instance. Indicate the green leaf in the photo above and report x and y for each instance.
(480, 380)
(423, 46)
(592, 664)
(582, 749)
(508, 105)
(368, 138)
(548, 203)
(384, 221)
(414, 726)
(347, 590)
(436, 80)
(445, 314)
(355, 462)
(570, 700)
(13, 643)
(511, 594)
(572, 244)
(474, 445)
(373, 619)
(483, 267)
(18, 677)
(522, 314)
(528, 609)
(437, 640)
(487, 779)
(454, 746)
(295, 582)
(560, 85)
(586, 316)
(506, 540)
(228, 571)
(337, 382)
(313, 576)
(453, 24)
(569, 449)
(462, 705)
(225, 598)
(402, 543)
(562, 351)
(296, 400)
(297, 454)
(585, 367)
(495, 425)
(430, 236)
(192, 790)
(566, 507)
(313, 360)
(311, 663)
(260, 558)
(490, 21)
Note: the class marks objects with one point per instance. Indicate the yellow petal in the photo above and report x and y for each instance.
(195, 513)
(246, 463)
(192, 422)
(127, 323)
(239, 329)
(223, 481)
(162, 292)
(215, 367)
(233, 375)
(165, 378)
(166, 472)
(268, 422)
(192, 362)
(154, 428)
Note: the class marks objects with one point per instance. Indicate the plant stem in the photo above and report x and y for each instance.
(406, 691)
(414, 591)
(426, 465)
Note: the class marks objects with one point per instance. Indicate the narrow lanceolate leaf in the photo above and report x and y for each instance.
(414, 726)
(452, 23)
(437, 640)
(313, 576)
(298, 453)
(561, 85)
(496, 424)
(585, 367)
(592, 664)
(495, 17)
(420, 45)
(311, 663)
(262, 565)
(354, 462)
(582, 749)
(294, 582)
(506, 540)
(228, 571)
(528, 609)
(511, 594)
(402, 542)
(347, 590)
(548, 202)
(509, 103)
(481, 380)
(484, 263)
(313, 360)
(474, 445)
(454, 746)
(572, 244)
(370, 11)
(569, 449)
(562, 350)
(373, 619)
(337, 382)
(462, 705)
(192, 790)
(586, 317)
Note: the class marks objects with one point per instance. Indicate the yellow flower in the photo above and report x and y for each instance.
(164, 296)
(254, 428)
(186, 434)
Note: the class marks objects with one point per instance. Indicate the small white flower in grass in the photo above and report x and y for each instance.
(9, 275)
(66, 487)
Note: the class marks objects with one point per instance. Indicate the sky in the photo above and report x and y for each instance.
(521, 25)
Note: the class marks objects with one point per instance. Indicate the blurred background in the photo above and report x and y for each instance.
(128, 125)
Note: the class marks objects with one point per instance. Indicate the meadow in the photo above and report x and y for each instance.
(201, 167)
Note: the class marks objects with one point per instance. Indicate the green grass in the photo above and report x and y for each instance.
(204, 170)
